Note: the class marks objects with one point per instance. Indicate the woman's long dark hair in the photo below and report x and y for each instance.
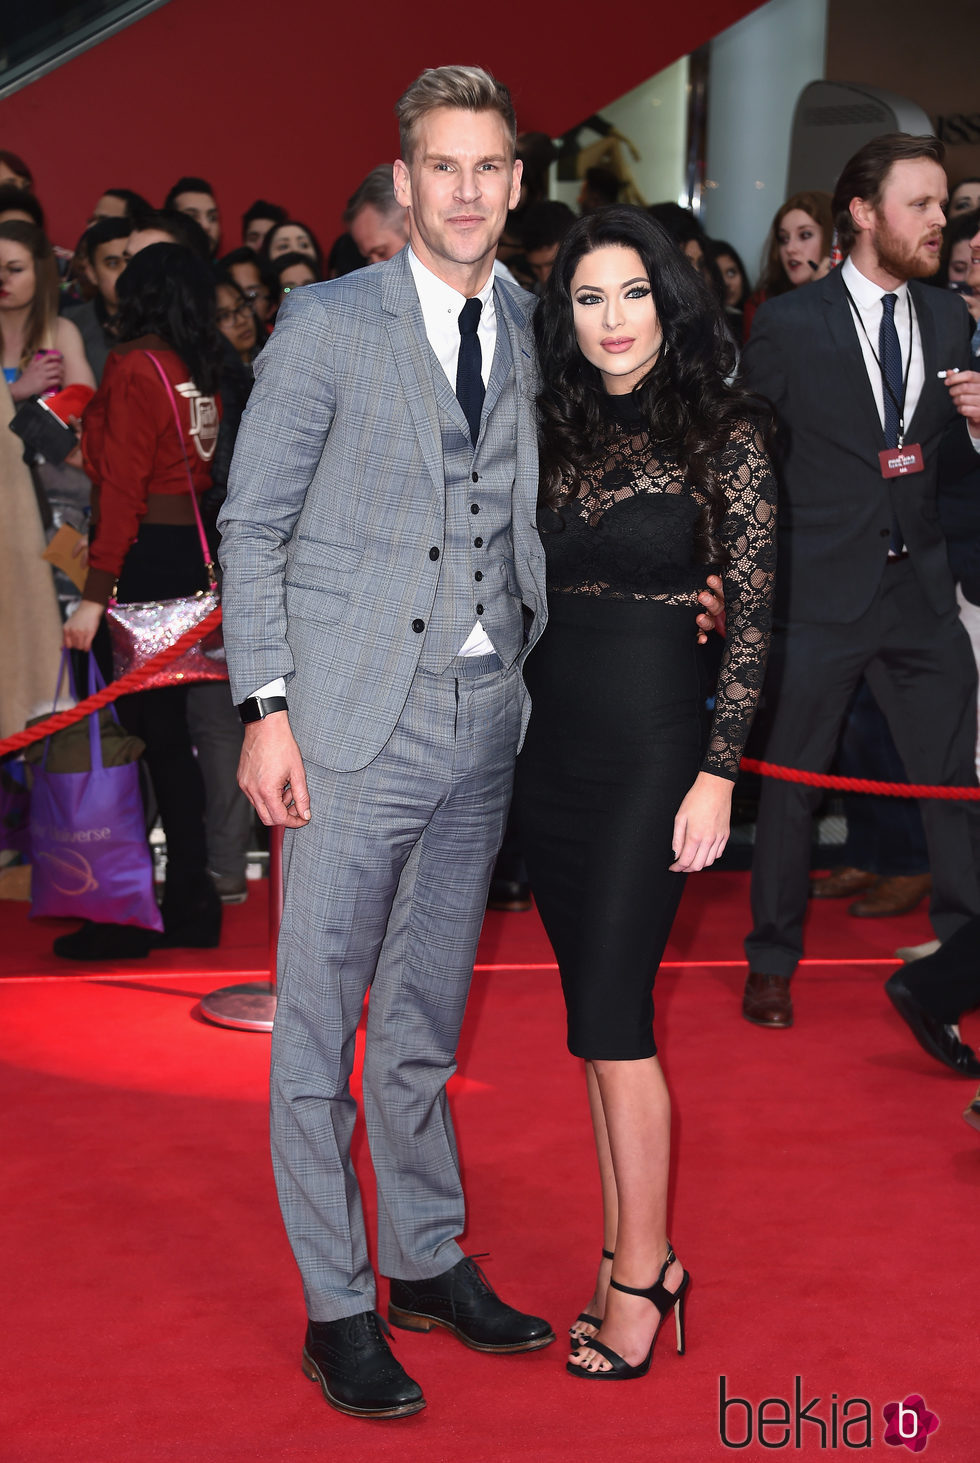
(689, 409)
(166, 290)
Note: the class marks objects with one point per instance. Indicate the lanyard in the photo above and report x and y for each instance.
(898, 405)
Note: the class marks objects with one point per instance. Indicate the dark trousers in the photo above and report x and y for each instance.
(160, 718)
(920, 669)
(166, 562)
(884, 834)
(948, 983)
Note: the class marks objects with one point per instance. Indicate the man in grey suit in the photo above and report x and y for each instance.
(380, 555)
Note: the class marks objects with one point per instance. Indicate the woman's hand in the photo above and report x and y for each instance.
(45, 373)
(80, 551)
(80, 627)
(74, 458)
(702, 823)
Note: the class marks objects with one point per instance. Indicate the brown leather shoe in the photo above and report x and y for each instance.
(842, 883)
(892, 896)
(767, 1001)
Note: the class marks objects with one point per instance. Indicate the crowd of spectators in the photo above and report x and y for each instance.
(59, 322)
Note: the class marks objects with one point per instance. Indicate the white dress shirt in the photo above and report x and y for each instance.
(441, 309)
(866, 306)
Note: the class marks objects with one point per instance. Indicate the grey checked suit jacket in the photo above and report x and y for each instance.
(337, 493)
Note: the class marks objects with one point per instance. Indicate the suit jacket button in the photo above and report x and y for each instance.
(433, 552)
(418, 626)
(478, 543)
(474, 507)
(478, 576)
(476, 477)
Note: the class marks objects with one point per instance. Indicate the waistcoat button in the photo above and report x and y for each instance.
(418, 626)
(479, 609)
(433, 552)
(478, 575)
(474, 507)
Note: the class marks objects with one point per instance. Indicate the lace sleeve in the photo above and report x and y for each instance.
(748, 532)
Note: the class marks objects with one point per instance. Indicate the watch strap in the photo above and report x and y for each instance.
(256, 708)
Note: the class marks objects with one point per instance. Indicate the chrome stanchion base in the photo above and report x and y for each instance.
(252, 1007)
(249, 1007)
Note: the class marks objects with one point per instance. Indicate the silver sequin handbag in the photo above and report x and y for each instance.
(140, 630)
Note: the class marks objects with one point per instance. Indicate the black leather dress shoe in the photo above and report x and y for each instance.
(934, 1036)
(766, 1000)
(511, 896)
(353, 1364)
(463, 1301)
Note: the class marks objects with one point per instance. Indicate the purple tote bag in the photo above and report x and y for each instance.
(90, 855)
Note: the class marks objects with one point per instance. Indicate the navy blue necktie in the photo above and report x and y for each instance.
(470, 390)
(890, 356)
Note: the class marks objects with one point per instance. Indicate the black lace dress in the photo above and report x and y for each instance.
(616, 736)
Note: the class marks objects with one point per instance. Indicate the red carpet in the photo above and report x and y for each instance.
(824, 1200)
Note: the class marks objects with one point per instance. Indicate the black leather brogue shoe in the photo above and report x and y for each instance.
(352, 1362)
(934, 1036)
(463, 1301)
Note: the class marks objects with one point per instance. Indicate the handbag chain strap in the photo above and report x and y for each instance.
(205, 550)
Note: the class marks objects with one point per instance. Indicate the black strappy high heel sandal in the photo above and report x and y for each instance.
(595, 1321)
(665, 1300)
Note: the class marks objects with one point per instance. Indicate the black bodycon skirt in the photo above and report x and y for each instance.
(614, 744)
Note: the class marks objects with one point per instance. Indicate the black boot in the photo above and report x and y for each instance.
(105, 942)
(191, 912)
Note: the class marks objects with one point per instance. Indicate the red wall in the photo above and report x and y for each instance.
(282, 102)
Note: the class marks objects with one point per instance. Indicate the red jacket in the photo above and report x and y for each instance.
(133, 456)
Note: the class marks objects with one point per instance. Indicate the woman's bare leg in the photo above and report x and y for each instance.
(635, 1109)
(581, 1330)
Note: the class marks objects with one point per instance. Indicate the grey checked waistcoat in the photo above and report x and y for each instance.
(477, 579)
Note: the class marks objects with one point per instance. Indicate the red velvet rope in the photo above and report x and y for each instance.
(131, 681)
(134, 679)
(858, 784)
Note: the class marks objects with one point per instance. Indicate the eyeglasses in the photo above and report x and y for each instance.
(239, 313)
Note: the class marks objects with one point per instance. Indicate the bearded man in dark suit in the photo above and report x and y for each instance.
(868, 372)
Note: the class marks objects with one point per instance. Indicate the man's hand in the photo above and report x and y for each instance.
(713, 599)
(271, 773)
(964, 389)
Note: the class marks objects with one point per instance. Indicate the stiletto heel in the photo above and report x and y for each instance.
(595, 1321)
(658, 1295)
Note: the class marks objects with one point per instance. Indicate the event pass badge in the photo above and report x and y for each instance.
(897, 462)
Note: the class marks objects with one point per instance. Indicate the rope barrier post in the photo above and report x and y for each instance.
(252, 1006)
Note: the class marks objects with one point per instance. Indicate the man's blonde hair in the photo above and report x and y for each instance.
(468, 88)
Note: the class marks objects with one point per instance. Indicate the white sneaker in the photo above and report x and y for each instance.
(908, 953)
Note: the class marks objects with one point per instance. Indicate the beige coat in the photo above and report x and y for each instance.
(30, 623)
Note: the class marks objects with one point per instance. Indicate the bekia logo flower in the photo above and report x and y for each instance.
(909, 1422)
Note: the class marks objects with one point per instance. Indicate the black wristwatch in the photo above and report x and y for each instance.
(254, 708)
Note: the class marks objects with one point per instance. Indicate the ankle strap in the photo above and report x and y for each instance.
(659, 1282)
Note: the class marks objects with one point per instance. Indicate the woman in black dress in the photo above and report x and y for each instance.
(653, 471)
